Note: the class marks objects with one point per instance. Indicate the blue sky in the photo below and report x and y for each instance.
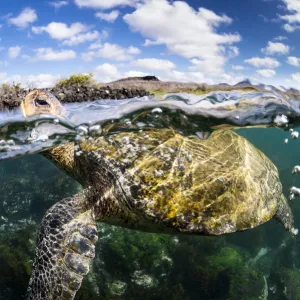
(208, 41)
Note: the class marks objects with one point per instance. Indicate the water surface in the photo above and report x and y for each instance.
(258, 264)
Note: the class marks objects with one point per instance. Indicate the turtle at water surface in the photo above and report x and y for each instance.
(153, 180)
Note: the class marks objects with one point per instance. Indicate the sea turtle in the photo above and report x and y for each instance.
(153, 180)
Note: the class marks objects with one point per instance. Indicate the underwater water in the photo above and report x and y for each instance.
(261, 263)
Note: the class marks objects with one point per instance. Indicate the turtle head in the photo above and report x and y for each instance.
(39, 102)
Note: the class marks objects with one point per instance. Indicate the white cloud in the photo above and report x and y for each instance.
(293, 81)
(133, 74)
(109, 17)
(13, 52)
(133, 50)
(208, 67)
(280, 38)
(185, 32)
(276, 48)
(290, 28)
(292, 19)
(233, 51)
(296, 76)
(95, 45)
(105, 4)
(107, 73)
(154, 64)
(231, 78)
(104, 34)
(98, 44)
(267, 62)
(61, 31)
(267, 73)
(237, 67)
(3, 75)
(74, 34)
(151, 43)
(82, 38)
(89, 56)
(26, 17)
(58, 4)
(34, 81)
(48, 54)
(174, 75)
(294, 61)
(111, 51)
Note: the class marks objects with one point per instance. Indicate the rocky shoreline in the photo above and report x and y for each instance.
(131, 87)
(10, 98)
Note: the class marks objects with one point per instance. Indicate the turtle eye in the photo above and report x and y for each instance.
(40, 102)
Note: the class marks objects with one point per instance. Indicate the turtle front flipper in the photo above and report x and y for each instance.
(65, 248)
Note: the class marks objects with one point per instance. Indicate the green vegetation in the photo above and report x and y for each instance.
(200, 90)
(78, 80)
(15, 253)
(291, 281)
(228, 257)
(247, 284)
(11, 95)
(10, 88)
(160, 91)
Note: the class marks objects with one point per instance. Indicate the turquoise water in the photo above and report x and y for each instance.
(152, 266)
(261, 263)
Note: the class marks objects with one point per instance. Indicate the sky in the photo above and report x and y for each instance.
(203, 41)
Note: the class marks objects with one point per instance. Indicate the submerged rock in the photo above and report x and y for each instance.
(285, 284)
(143, 280)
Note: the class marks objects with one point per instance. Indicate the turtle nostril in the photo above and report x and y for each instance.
(40, 102)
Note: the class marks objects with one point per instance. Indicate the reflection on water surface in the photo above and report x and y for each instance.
(258, 264)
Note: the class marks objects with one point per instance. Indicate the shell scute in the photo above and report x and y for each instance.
(214, 186)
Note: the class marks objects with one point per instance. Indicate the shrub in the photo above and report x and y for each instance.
(11, 88)
(78, 80)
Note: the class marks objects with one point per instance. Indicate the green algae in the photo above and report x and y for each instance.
(246, 284)
(15, 260)
(228, 257)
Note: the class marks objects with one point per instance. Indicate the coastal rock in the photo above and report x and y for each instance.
(10, 98)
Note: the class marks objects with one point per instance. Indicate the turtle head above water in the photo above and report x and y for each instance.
(39, 102)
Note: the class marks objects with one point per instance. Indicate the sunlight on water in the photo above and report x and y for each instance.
(185, 113)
